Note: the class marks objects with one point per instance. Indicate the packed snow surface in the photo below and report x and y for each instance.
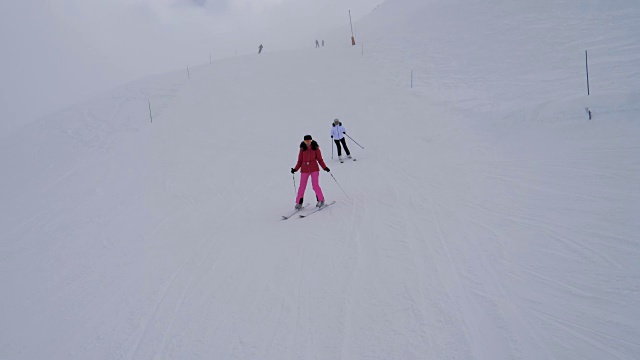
(486, 217)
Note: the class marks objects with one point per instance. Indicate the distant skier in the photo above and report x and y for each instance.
(322, 42)
(317, 44)
(260, 49)
(308, 159)
(337, 134)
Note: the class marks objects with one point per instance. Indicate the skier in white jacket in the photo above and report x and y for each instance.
(337, 134)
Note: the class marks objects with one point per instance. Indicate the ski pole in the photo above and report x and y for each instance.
(354, 141)
(334, 179)
(332, 147)
(294, 184)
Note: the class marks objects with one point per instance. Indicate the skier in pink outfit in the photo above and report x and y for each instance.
(308, 159)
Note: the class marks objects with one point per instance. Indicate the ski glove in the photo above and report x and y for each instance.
(326, 169)
(293, 170)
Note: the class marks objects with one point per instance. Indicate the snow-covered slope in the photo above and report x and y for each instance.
(486, 216)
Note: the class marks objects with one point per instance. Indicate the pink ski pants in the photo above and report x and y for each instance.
(315, 184)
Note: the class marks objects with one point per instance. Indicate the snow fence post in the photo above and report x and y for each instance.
(188, 74)
(586, 64)
(353, 38)
(150, 116)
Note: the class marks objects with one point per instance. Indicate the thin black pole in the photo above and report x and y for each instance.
(586, 63)
(334, 179)
(353, 141)
(294, 185)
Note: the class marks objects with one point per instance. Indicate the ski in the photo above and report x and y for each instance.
(285, 217)
(317, 209)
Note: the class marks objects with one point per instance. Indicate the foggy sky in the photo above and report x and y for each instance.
(56, 53)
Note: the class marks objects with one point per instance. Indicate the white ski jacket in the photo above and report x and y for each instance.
(337, 131)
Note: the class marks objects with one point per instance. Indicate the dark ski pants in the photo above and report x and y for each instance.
(344, 143)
